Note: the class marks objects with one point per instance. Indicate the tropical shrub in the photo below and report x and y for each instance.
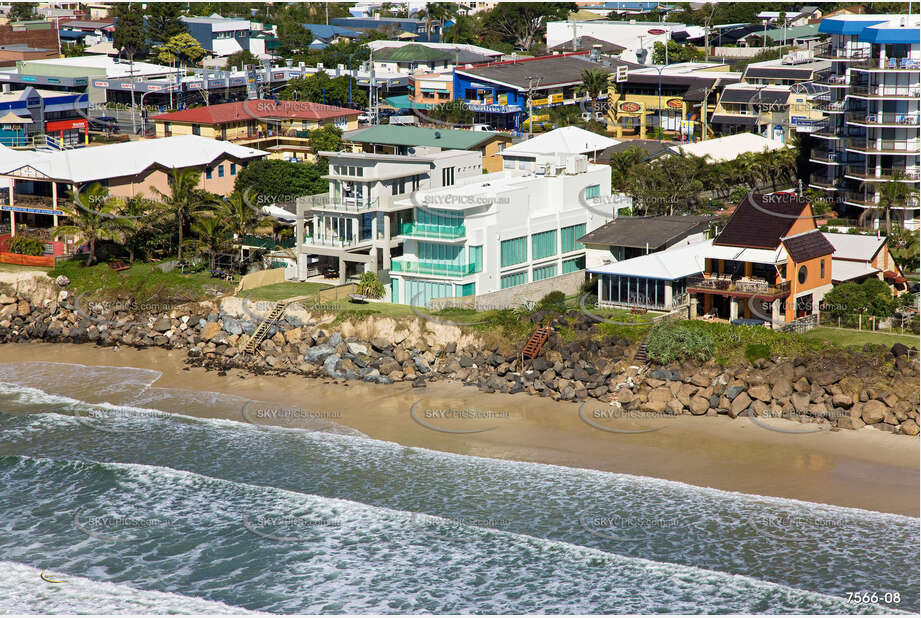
(676, 341)
(370, 285)
(25, 245)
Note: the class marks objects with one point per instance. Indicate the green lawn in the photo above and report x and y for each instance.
(844, 338)
(281, 291)
(142, 282)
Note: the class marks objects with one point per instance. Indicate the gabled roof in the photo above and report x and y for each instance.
(653, 233)
(127, 159)
(552, 70)
(259, 109)
(761, 221)
(571, 140)
(418, 52)
(587, 43)
(807, 246)
(447, 139)
(328, 33)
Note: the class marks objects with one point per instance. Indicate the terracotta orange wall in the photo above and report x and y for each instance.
(804, 223)
(813, 280)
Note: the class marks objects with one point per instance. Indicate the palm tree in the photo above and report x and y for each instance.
(891, 194)
(595, 82)
(184, 198)
(92, 216)
(239, 217)
(621, 164)
(137, 215)
(212, 234)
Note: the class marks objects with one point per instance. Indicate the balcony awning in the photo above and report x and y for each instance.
(743, 254)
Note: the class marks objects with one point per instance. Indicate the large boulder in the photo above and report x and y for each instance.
(317, 354)
(909, 427)
(699, 406)
(873, 412)
(739, 404)
(761, 392)
(849, 422)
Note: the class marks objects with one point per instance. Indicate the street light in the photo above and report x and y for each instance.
(659, 69)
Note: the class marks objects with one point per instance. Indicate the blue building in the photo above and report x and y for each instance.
(221, 36)
(323, 35)
(416, 27)
(29, 112)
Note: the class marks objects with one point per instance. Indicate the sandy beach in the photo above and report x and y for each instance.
(867, 469)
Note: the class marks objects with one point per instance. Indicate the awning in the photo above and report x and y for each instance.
(11, 118)
(403, 102)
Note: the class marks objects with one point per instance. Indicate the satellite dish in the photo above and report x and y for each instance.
(437, 134)
(412, 150)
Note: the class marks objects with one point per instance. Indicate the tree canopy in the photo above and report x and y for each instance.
(524, 22)
(182, 48)
(320, 88)
(269, 181)
(163, 21)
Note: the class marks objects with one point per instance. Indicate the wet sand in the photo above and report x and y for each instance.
(867, 469)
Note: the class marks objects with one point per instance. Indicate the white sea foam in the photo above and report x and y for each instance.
(24, 591)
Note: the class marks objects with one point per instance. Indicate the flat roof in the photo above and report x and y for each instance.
(671, 264)
(259, 109)
(645, 232)
(456, 139)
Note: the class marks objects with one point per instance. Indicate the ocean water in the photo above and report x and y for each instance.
(110, 486)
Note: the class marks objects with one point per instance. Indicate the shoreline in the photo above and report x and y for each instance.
(867, 469)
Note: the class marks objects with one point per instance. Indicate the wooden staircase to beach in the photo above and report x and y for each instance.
(263, 329)
(536, 342)
(641, 355)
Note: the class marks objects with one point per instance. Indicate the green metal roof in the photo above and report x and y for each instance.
(794, 32)
(414, 53)
(448, 139)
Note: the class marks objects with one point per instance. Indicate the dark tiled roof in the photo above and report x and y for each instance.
(650, 146)
(748, 95)
(551, 69)
(760, 221)
(807, 246)
(639, 232)
(586, 43)
(697, 80)
(728, 119)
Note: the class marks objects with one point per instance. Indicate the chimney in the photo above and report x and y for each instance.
(595, 54)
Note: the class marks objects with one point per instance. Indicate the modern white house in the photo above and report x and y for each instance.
(499, 230)
(356, 226)
(572, 140)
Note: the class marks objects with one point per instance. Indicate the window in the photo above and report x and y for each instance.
(821, 269)
(447, 176)
(233, 169)
(569, 236)
(220, 171)
(208, 172)
(543, 244)
(468, 289)
(592, 191)
(508, 281)
(544, 272)
(416, 180)
(514, 251)
(573, 265)
(475, 258)
(801, 274)
(196, 129)
(399, 186)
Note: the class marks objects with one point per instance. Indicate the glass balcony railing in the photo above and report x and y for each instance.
(430, 230)
(884, 173)
(400, 265)
(864, 144)
(884, 118)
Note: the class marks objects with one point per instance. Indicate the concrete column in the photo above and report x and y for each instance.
(316, 226)
(12, 203)
(775, 310)
(299, 232)
(668, 294)
(342, 264)
(54, 200)
(643, 125)
(386, 265)
(692, 307)
(733, 309)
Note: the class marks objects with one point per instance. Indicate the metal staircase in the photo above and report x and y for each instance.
(263, 329)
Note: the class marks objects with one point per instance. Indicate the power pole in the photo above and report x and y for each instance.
(531, 85)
